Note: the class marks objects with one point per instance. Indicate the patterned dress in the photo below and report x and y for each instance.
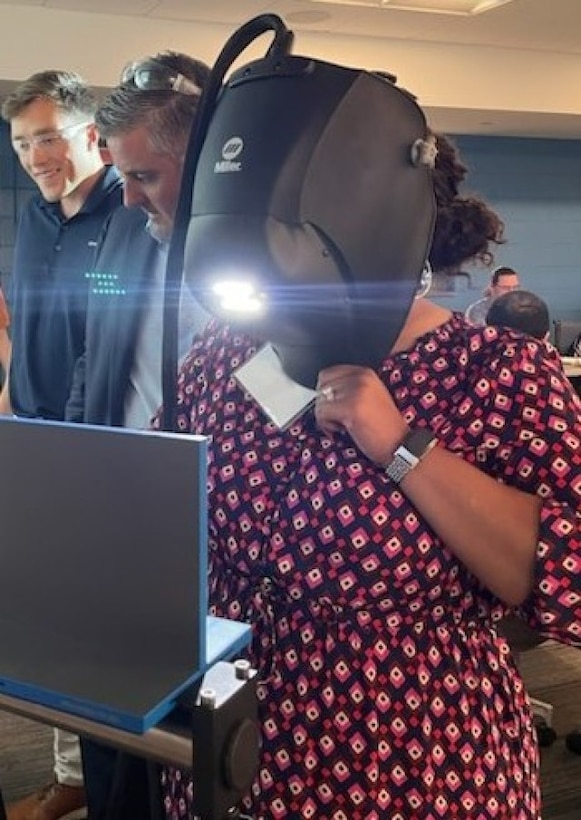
(386, 693)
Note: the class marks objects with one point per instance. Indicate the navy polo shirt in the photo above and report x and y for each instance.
(48, 296)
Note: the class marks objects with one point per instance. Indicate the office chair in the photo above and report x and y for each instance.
(564, 334)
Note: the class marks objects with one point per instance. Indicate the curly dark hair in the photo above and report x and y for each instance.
(466, 226)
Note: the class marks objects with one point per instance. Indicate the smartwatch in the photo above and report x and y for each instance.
(410, 452)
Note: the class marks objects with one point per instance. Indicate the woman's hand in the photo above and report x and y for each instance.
(455, 498)
(354, 399)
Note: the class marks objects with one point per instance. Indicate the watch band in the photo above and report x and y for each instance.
(410, 452)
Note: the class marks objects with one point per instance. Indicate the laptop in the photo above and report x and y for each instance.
(103, 570)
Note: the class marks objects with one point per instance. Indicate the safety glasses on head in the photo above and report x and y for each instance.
(150, 74)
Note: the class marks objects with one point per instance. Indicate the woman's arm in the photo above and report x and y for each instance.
(494, 529)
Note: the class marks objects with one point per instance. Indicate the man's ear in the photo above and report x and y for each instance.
(92, 135)
(104, 151)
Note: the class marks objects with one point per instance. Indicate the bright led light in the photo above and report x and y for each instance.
(238, 297)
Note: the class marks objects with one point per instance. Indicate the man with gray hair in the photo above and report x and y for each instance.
(145, 122)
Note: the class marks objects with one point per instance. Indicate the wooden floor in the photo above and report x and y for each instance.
(552, 673)
(25, 755)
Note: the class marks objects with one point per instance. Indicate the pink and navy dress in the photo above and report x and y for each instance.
(385, 692)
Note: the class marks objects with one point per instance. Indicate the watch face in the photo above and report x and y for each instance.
(417, 442)
(413, 448)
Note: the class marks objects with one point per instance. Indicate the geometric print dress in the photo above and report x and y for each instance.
(385, 691)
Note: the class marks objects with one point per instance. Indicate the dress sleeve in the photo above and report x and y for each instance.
(545, 458)
(555, 605)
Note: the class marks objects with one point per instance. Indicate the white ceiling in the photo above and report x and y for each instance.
(541, 27)
(545, 25)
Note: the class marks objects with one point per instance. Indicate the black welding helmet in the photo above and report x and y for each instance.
(312, 209)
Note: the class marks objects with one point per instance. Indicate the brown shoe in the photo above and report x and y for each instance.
(53, 802)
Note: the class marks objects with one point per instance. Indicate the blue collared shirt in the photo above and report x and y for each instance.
(48, 296)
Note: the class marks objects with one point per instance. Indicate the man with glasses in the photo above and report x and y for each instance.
(502, 280)
(51, 116)
(52, 128)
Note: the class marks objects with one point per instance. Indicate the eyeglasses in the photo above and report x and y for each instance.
(49, 141)
(152, 75)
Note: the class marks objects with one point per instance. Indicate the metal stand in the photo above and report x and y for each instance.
(213, 730)
(226, 740)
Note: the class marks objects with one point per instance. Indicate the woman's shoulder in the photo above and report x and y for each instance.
(487, 348)
(219, 348)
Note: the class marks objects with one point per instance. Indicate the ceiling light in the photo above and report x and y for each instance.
(461, 7)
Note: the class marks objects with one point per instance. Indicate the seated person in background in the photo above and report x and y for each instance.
(527, 312)
(5, 346)
(502, 280)
(521, 310)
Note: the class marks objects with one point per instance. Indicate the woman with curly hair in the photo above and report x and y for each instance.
(376, 543)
